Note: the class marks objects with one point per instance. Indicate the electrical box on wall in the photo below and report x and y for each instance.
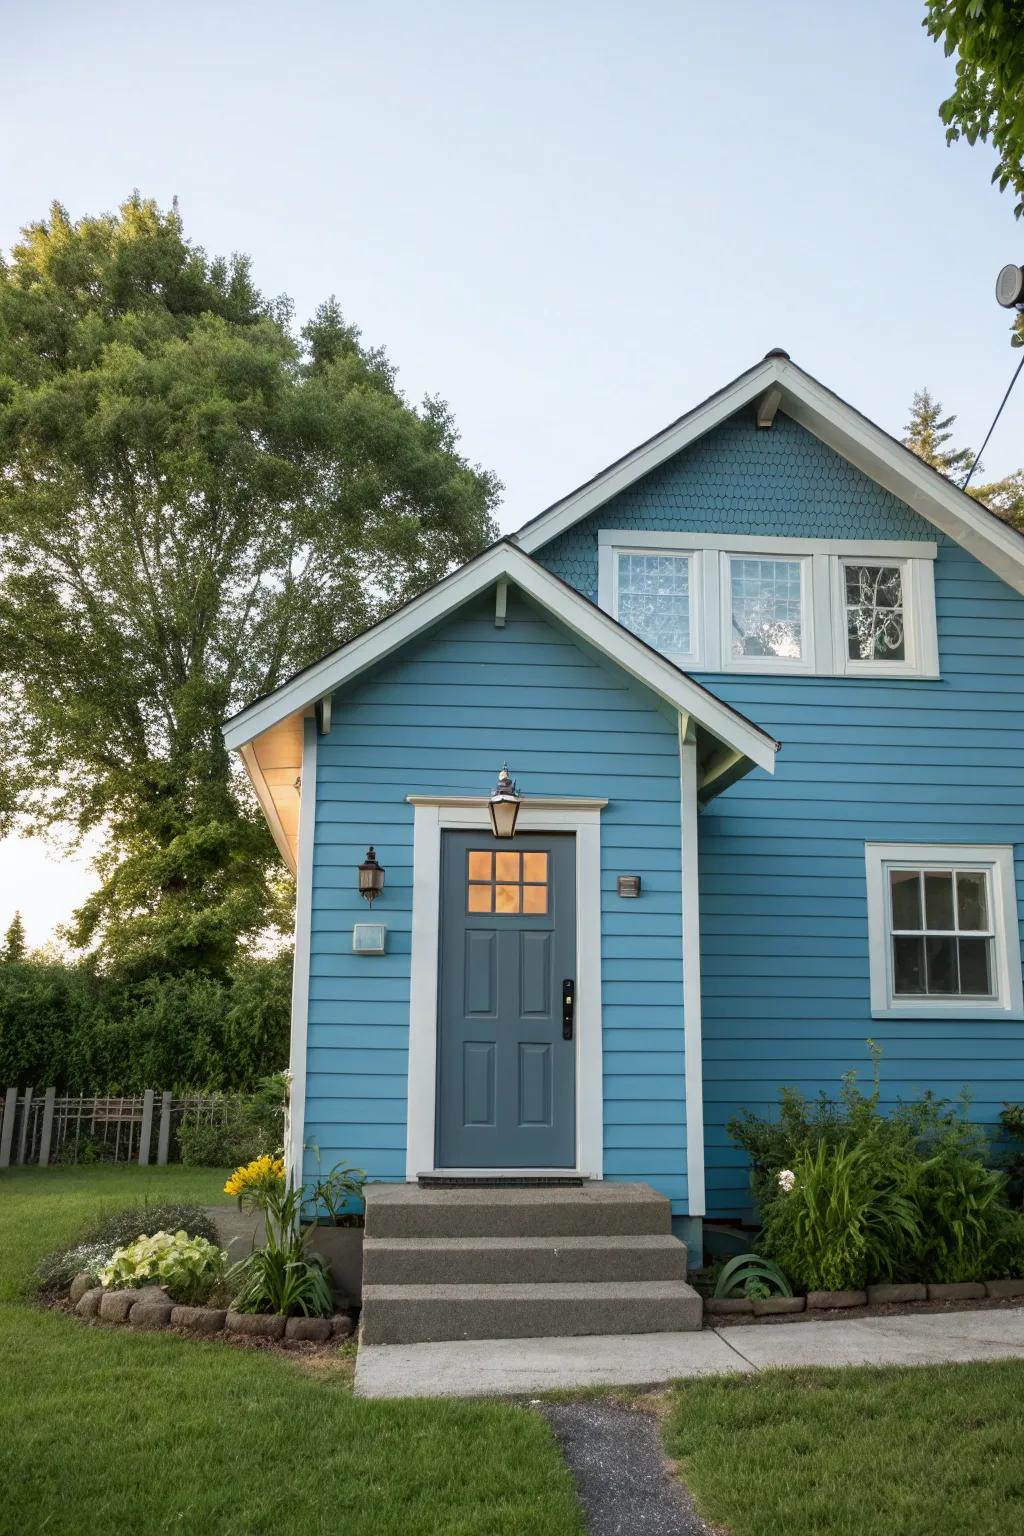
(368, 938)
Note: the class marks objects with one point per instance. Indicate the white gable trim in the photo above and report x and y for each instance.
(835, 423)
(575, 613)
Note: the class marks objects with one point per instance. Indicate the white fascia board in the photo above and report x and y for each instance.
(626, 471)
(572, 611)
(896, 469)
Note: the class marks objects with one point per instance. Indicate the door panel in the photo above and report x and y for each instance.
(506, 1082)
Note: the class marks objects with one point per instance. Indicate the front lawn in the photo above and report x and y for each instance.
(106, 1431)
(869, 1452)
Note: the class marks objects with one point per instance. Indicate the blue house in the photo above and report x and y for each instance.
(760, 686)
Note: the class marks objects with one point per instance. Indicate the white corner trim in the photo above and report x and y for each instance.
(693, 1056)
(430, 818)
(580, 617)
(998, 861)
(296, 1131)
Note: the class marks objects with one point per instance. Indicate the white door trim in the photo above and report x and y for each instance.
(431, 818)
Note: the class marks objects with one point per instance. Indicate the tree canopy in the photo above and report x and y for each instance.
(987, 102)
(195, 501)
(927, 433)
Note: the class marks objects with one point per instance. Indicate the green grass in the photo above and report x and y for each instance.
(867, 1452)
(110, 1431)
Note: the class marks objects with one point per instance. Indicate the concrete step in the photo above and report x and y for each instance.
(521, 1260)
(594, 1210)
(422, 1314)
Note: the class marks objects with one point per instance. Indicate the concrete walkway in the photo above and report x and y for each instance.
(510, 1367)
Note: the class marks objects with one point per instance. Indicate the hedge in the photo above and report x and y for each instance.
(83, 1033)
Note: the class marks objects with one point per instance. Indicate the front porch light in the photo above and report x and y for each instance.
(504, 805)
(371, 876)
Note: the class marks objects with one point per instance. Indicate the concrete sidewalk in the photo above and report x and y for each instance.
(508, 1367)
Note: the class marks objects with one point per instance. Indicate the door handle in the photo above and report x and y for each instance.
(568, 1007)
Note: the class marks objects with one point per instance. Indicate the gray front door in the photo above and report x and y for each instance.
(506, 1086)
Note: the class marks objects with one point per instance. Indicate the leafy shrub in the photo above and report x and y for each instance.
(114, 1230)
(340, 1192)
(845, 1221)
(68, 1025)
(245, 1129)
(1011, 1121)
(190, 1267)
(851, 1196)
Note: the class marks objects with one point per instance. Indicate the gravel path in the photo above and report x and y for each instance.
(616, 1459)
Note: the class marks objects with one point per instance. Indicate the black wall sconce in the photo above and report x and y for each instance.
(371, 876)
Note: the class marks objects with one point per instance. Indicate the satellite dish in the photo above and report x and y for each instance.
(1010, 287)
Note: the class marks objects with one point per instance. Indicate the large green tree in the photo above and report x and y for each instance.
(195, 500)
(987, 101)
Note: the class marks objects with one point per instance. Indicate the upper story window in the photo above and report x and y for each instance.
(765, 620)
(750, 604)
(942, 929)
(654, 599)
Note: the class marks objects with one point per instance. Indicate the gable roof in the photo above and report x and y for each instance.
(267, 734)
(504, 561)
(834, 422)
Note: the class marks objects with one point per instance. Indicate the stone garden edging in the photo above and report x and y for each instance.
(149, 1307)
(874, 1295)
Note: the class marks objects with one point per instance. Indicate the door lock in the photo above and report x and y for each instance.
(568, 1006)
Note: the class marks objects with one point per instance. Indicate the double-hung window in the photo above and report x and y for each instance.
(943, 933)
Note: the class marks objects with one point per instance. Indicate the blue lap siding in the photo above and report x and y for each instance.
(439, 719)
(782, 875)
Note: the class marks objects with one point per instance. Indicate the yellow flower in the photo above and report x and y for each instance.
(263, 1173)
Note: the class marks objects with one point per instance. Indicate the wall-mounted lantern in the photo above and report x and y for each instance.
(504, 805)
(371, 876)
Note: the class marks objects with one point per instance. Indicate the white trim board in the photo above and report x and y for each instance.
(997, 860)
(296, 1130)
(693, 1051)
(432, 815)
(835, 423)
(573, 612)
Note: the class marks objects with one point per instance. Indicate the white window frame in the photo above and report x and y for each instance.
(920, 639)
(695, 657)
(998, 864)
(802, 663)
(823, 592)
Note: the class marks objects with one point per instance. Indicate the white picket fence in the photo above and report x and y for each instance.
(41, 1128)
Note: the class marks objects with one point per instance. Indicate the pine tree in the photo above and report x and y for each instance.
(928, 431)
(14, 946)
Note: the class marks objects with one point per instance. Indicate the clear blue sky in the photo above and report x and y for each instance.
(572, 219)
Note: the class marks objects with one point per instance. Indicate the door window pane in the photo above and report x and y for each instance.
(874, 613)
(508, 882)
(654, 600)
(766, 603)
